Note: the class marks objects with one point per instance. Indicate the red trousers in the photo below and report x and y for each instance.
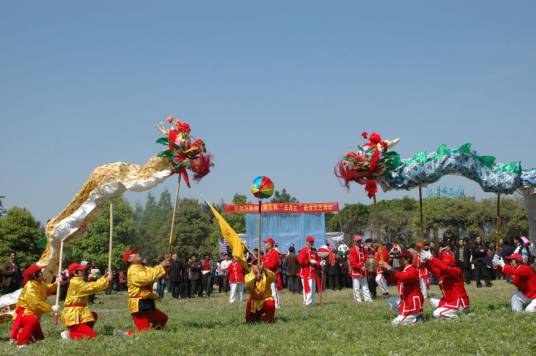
(17, 324)
(267, 314)
(31, 330)
(144, 321)
(81, 331)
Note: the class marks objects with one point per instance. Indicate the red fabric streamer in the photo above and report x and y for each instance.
(172, 136)
(201, 166)
(371, 187)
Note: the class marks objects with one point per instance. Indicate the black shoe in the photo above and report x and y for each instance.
(489, 285)
(479, 285)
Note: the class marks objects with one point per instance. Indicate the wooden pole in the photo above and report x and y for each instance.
(173, 217)
(58, 284)
(375, 231)
(260, 234)
(378, 237)
(421, 214)
(110, 242)
(498, 226)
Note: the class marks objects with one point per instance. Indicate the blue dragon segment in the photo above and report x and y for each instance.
(375, 163)
(425, 168)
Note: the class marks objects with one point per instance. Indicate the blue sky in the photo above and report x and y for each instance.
(276, 88)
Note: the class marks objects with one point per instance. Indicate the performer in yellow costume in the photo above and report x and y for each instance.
(32, 304)
(261, 305)
(141, 298)
(76, 315)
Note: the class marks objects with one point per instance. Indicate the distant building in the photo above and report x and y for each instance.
(445, 192)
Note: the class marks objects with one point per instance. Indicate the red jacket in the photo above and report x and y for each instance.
(381, 254)
(357, 258)
(423, 271)
(411, 299)
(305, 256)
(451, 284)
(271, 260)
(524, 278)
(235, 272)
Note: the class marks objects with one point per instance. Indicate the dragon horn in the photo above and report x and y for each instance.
(162, 128)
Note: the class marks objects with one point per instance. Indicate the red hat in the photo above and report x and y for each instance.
(269, 241)
(76, 267)
(357, 238)
(514, 256)
(30, 271)
(127, 253)
(406, 254)
(447, 257)
(310, 239)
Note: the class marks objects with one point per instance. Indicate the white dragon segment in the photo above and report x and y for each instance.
(104, 183)
(183, 155)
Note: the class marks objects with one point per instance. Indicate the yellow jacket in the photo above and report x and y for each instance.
(33, 298)
(140, 281)
(260, 291)
(75, 309)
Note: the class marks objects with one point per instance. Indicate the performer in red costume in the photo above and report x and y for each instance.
(523, 277)
(381, 254)
(308, 260)
(270, 260)
(235, 273)
(455, 300)
(424, 282)
(357, 257)
(409, 305)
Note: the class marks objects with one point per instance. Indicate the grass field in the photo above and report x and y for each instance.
(212, 326)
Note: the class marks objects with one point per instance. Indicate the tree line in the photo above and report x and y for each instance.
(196, 231)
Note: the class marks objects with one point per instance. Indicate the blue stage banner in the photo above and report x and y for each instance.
(286, 229)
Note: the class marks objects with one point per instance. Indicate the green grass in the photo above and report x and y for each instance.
(212, 326)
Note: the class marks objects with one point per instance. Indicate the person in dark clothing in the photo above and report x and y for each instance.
(207, 268)
(195, 277)
(291, 261)
(479, 252)
(371, 275)
(507, 249)
(175, 276)
(489, 262)
(334, 272)
(11, 277)
(463, 260)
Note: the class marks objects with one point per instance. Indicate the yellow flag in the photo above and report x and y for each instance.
(231, 237)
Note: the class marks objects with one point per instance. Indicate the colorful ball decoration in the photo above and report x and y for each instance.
(262, 187)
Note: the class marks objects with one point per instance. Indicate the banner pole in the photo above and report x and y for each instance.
(421, 213)
(260, 234)
(498, 225)
(110, 242)
(170, 241)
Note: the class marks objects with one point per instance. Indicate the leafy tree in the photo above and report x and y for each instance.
(351, 220)
(392, 220)
(20, 233)
(193, 230)
(283, 197)
(94, 247)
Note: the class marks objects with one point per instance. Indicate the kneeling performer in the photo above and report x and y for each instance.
(455, 300)
(409, 305)
(261, 305)
(524, 278)
(141, 298)
(76, 316)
